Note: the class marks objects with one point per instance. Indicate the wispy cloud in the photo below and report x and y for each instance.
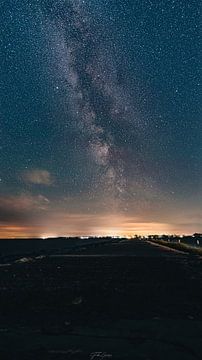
(38, 176)
(21, 208)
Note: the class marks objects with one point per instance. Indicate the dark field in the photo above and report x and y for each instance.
(121, 300)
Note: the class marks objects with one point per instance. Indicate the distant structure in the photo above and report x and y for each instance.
(197, 235)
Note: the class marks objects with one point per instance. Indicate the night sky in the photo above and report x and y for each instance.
(100, 127)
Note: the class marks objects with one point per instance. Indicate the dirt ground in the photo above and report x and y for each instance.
(126, 300)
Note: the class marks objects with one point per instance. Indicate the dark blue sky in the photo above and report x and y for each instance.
(100, 115)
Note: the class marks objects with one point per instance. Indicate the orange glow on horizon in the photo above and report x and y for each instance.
(81, 226)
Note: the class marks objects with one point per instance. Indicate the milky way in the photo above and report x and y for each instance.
(95, 97)
(100, 117)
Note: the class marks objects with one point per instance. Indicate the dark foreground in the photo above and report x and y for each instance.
(128, 300)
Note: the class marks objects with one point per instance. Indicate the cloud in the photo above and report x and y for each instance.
(28, 215)
(21, 208)
(37, 176)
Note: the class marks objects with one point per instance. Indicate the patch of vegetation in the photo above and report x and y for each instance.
(178, 246)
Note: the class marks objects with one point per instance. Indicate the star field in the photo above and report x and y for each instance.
(100, 127)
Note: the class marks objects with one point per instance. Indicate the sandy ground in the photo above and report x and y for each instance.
(127, 300)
